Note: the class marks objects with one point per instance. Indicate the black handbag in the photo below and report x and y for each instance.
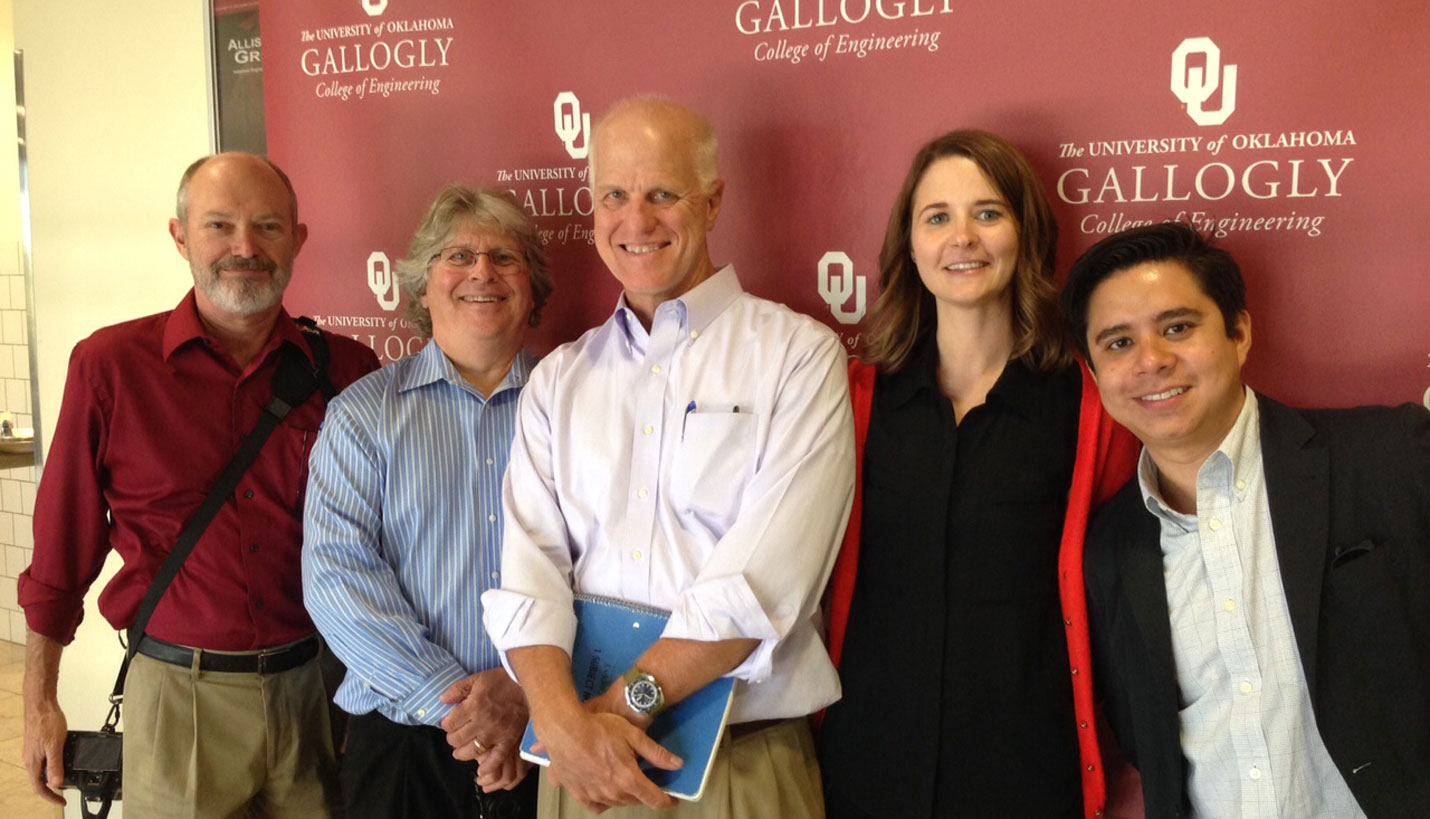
(94, 760)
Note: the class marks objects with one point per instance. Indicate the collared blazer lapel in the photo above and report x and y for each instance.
(1145, 653)
(1298, 491)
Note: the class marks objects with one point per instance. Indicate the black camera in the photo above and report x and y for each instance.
(94, 761)
(94, 765)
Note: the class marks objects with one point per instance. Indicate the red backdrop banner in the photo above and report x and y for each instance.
(1295, 133)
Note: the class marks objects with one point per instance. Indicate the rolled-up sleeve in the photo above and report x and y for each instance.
(71, 514)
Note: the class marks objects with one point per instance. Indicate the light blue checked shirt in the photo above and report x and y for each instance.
(402, 531)
(1248, 729)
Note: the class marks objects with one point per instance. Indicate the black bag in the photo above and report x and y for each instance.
(94, 760)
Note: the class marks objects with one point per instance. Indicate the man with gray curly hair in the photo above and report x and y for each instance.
(404, 522)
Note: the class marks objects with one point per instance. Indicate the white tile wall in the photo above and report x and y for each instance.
(16, 559)
(17, 395)
(17, 485)
(25, 535)
(9, 495)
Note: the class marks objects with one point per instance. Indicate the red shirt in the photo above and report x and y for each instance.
(153, 411)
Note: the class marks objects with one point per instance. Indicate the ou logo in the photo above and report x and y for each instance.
(571, 123)
(837, 282)
(374, 8)
(1196, 85)
(381, 281)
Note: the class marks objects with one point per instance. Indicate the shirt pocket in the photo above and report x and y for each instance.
(713, 464)
(296, 442)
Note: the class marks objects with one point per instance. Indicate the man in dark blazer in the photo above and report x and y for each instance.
(1260, 596)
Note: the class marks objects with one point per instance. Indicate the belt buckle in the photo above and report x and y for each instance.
(263, 660)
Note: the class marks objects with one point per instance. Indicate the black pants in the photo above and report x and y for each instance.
(393, 771)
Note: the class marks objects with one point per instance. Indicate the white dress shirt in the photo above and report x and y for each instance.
(1248, 731)
(706, 468)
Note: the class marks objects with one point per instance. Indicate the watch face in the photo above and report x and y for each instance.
(644, 695)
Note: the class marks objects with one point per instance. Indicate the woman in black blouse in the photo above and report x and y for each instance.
(952, 647)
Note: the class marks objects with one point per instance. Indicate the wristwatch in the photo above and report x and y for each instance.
(643, 693)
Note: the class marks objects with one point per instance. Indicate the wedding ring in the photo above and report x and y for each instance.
(481, 749)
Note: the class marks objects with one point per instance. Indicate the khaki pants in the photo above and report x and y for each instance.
(767, 774)
(201, 744)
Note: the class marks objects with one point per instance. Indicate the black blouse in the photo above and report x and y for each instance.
(957, 696)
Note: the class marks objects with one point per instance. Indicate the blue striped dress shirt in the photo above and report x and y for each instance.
(402, 531)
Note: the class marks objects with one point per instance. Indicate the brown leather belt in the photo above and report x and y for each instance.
(266, 661)
(743, 729)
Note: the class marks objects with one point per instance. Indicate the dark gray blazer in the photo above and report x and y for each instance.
(1349, 492)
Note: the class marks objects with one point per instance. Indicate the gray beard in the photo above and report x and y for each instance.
(245, 296)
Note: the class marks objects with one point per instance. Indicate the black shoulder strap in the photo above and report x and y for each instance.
(293, 383)
(318, 343)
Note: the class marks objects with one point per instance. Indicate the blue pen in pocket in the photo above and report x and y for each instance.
(689, 408)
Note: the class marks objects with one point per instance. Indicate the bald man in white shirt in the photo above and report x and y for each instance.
(694, 453)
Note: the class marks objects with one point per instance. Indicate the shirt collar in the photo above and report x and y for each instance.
(184, 326)
(1241, 450)
(919, 374)
(1236, 459)
(431, 365)
(695, 309)
(1016, 387)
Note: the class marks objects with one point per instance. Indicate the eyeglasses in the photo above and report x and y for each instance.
(505, 261)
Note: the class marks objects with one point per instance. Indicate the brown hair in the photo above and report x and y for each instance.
(904, 314)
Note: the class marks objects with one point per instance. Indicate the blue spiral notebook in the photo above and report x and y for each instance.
(610, 636)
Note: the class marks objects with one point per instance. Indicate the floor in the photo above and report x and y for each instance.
(17, 801)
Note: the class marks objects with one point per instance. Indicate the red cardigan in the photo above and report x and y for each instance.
(1106, 459)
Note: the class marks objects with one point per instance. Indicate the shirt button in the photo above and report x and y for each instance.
(649, 429)
(636, 555)
(1229, 605)
(421, 712)
(1214, 524)
(1254, 773)
(490, 462)
(491, 518)
(248, 494)
(1246, 686)
(253, 548)
(643, 493)
(695, 334)
(496, 575)
(655, 368)
(1241, 484)
(258, 604)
